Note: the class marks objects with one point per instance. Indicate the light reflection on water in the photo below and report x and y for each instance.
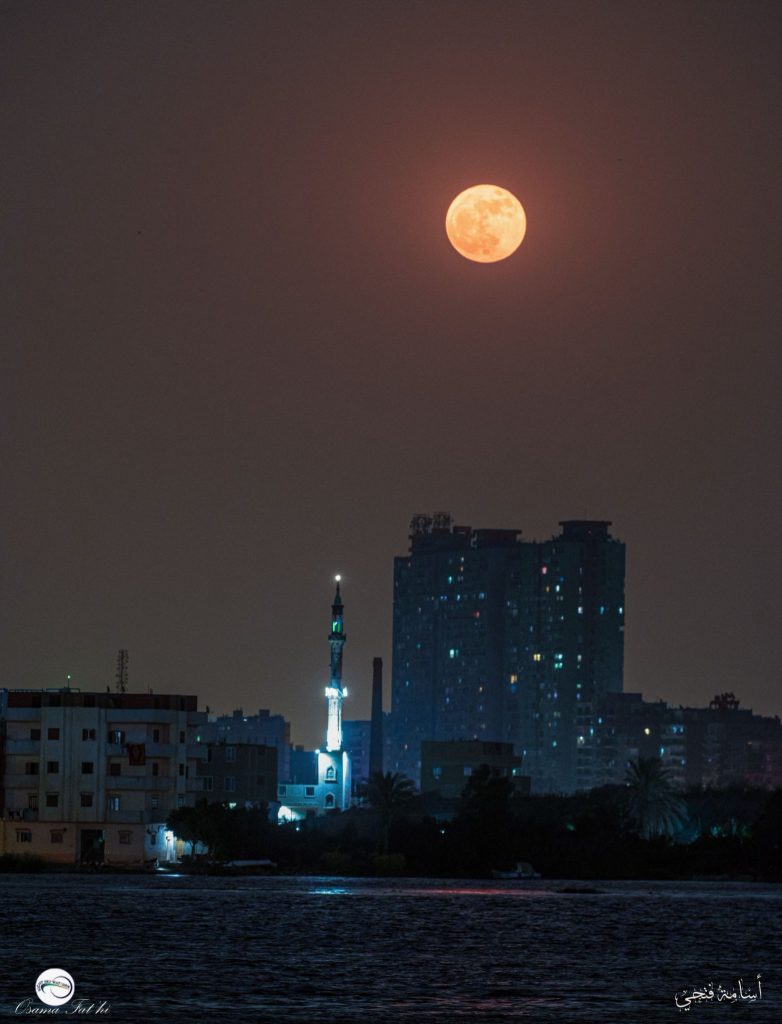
(271, 949)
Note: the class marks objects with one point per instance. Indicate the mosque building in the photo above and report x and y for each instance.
(331, 791)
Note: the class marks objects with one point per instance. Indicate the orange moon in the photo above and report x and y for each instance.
(485, 223)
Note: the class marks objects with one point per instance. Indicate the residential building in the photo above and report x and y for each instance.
(446, 765)
(499, 639)
(264, 728)
(91, 777)
(716, 746)
(239, 774)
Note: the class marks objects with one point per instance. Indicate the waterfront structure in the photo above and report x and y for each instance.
(332, 791)
(495, 638)
(715, 746)
(239, 774)
(264, 728)
(88, 777)
(446, 765)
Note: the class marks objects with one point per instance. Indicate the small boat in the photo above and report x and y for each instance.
(251, 867)
(522, 870)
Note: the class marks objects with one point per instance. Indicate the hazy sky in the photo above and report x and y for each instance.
(239, 352)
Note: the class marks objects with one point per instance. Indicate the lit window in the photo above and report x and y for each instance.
(114, 802)
(24, 835)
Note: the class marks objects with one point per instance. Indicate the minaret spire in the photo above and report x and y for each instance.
(335, 691)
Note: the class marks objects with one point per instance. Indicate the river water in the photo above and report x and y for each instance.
(181, 948)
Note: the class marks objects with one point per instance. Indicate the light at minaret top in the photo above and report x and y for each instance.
(335, 691)
(337, 623)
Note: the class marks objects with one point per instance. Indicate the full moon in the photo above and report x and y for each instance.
(485, 223)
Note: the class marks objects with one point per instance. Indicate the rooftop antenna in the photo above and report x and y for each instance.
(122, 671)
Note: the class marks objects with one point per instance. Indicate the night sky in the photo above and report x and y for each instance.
(239, 352)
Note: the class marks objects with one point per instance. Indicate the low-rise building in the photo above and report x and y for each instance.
(263, 727)
(91, 777)
(241, 774)
(446, 765)
(715, 746)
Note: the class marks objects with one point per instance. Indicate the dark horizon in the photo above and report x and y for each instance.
(241, 354)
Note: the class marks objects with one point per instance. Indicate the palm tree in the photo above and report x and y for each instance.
(654, 806)
(387, 795)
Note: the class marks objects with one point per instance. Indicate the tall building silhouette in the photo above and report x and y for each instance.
(496, 638)
(376, 729)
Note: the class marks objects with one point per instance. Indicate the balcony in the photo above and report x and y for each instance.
(27, 746)
(26, 814)
(18, 781)
(118, 718)
(160, 749)
(153, 783)
(126, 817)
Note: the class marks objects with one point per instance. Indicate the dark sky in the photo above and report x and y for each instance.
(239, 351)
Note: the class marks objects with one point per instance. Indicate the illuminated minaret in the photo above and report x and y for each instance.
(335, 691)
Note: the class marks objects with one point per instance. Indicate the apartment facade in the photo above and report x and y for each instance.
(446, 765)
(89, 777)
(239, 774)
(500, 639)
(713, 747)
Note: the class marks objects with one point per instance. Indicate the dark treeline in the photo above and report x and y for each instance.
(641, 830)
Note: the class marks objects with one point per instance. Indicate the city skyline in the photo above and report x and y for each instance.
(360, 691)
(241, 352)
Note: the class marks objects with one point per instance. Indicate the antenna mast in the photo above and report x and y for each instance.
(122, 671)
